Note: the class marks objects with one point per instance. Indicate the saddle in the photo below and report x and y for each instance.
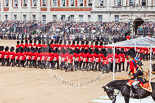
(146, 86)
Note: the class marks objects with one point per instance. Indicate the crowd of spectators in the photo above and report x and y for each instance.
(147, 28)
(65, 30)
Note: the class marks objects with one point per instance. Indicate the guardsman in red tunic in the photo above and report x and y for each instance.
(39, 57)
(109, 56)
(50, 59)
(30, 44)
(1, 53)
(35, 44)
(69, 60)
(34, 57)
(22, 44)
(122, 59)
(6, 57)
(63, 59)
(22, 57)
(29, 57)
(82, 45)
(90, 59)
(56, 58)
(85, 59)
(12, 57)
(17, 57)
(73, 45)
(81, 58)
(133, 65)
(117, 60)
(26, 44)
(105, 63)
(92, 45)
(76, 59)
(39, 44)
(18, 44)
(97, 59)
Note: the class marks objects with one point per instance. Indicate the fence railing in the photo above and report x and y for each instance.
(146, 32)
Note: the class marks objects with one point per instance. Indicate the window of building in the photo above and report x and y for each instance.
(15, 17)
(24, 2)
(6, 17)
(143, 2)
(100, 18)
(15, 3)
(63, 2)
(54, 17)
(6, 3)
(62, 17)
(89, 17)
(34, 3)
(101, 3)
(71, 17)
(43, 2)
(44, 19)
(131, 3)
(89, 2)
(118, 2)
(34, 17)
(81, 18)
(54, 2)
(116, 18)
(81, 2)
(24, 17)
(72, 2)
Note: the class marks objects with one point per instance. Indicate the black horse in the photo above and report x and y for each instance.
(122, 86)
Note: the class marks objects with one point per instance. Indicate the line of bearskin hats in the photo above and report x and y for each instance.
(39, 42)
(35, 41)
(82, 42)
(73, 42)
(87, 42)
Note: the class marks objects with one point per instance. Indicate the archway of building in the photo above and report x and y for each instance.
(137, 22)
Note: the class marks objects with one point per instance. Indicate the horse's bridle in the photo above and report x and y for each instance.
(110, 92)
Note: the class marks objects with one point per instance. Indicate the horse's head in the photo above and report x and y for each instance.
(109, 91)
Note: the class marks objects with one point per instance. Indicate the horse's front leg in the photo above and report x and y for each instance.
(126, 99)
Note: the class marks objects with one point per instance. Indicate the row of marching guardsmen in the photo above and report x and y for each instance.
(70, 56)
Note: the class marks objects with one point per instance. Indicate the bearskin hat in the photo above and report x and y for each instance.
(73, 42)
(6, 48)
(82, 50)
(12, 49)
(56, 50)
(35, 41)
(51, 42)
(77, 42)
(101, 43)
(18, 42)
(39, 42)
(55, 42)
(17, 50)
(96, 43)
(87, 42)
(85, 51)
(22, 42)
(132, 53)
(26, 41)
(30, 42)
(82, 42)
